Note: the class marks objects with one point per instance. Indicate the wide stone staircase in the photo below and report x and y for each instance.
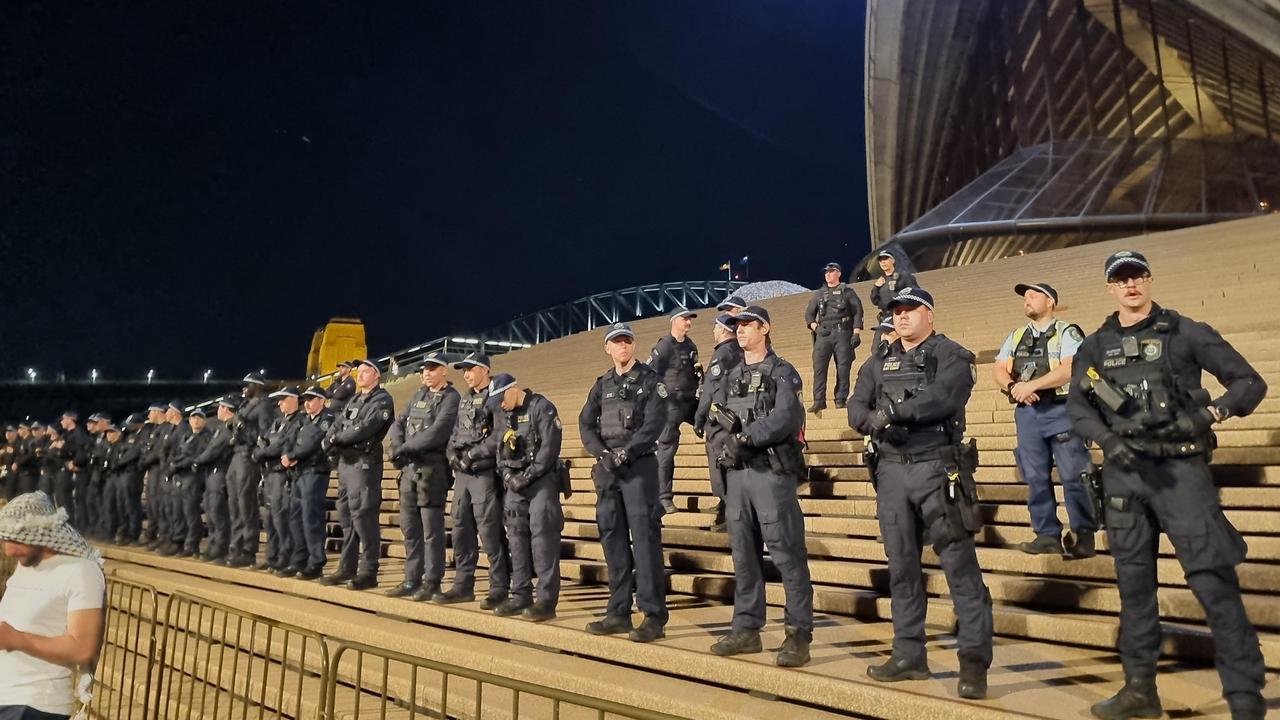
(1055, 620)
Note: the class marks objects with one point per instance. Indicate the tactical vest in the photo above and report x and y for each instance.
(752, 394)
(680, 375)
(521, 440)
(1151, 410)
(621, 410)
(423, 410)
(474, 423)
(1035, 356)
(834, 307)
(903, 374)
(891, 283)
(319, 461)
(245, 435)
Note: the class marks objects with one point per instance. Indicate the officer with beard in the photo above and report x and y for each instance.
(356, 438)
(418, 441)
(675, 359)
(620, 423)
(343, 388)
(1136, 392)
(477, 494)
(253, 419)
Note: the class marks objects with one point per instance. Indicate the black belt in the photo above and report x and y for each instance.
(939, 453)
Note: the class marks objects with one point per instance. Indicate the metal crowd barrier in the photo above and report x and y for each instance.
(379, 683)
(217, 661)
(128, 656)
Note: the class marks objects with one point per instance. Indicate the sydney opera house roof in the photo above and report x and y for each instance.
(997, 127)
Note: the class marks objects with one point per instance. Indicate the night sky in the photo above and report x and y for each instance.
(188, 185)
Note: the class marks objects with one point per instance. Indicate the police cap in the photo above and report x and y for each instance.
(501, 383)
(1123, 258)
(912, 296)
(473, 359)
(619, 330)
(1043, 288)
(733, 302)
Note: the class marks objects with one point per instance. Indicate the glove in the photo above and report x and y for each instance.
(608, 462)
(516, 482)
(1116, 451)
(621, 457)
(881, 417)
(735, 448)
(700, 432)
(398, 460)
(326, 445)
(455, 461)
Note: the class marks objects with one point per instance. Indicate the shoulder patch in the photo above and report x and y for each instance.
(662, 390)
(559, 426)
(973, 372)
(715, 370)
(1075, 333)
(386, 414)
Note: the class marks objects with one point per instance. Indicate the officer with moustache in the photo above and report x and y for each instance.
(343, 388)
(418, 441)
(529, 431)
(911, 402)
(356, 438)
(1136, 392)
(620, 423)
(477, 492)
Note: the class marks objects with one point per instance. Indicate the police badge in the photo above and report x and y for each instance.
(1152, 349)
(662, 390)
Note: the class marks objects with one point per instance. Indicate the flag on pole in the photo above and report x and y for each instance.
(724, 266)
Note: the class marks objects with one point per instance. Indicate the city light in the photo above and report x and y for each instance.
(207, 373)
(150, 374)
(93, 375)
(31, 374)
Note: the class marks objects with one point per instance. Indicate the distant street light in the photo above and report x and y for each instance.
(207, 373)
(93, 375)
(31, 374)
(150, 374)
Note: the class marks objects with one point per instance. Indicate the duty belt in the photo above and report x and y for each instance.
(945, 452)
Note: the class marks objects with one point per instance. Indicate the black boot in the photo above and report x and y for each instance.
(492, 601)
(454, 595)
(738, 642)
(405, 588)
(1042, 545)
(337, 578)
(718, 525)
(1247, 706)
(1080, 546)
(818, 406)
(973, 680)
(610, 625)
(1137, 699)
(540, 611)
(428, 591)
(795, 648)
(651, 629)
(896, 669)
(513, 605)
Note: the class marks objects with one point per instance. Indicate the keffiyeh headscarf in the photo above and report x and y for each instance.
(31, 519)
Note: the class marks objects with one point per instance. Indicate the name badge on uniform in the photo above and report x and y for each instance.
(420, 403)
(891, 365)
(522, 419)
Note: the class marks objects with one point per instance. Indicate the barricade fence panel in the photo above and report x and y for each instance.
(126, 664)
(368, 682)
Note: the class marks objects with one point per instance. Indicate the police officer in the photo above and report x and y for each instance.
(311, 467)
(343, 388)
(418, 441)
(675, 359)
(477, 493)
(726, 356)
(8, 473)
(277, 488)
(25, 465)
(171, 500)
(886, 286)
(108, 503)
(124, 479)
(55, 479)
(1033, 367)
(620, 423)
(96, 455)
(153, 474)
(85, 485)
(529, 431)
(834, 316)
(1136, 392)
(356, 437)
(214, 462)
(911, 402)
(189, 478)
(253, 419)
(732, 305)
(757, 408)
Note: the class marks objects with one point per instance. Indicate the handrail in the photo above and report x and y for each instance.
(414, 704)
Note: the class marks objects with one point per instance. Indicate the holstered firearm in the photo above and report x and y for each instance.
(871, 458)
(1092, 481)
(731, 423)
(963, 517)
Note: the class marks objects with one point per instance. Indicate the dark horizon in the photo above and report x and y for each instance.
(189, 188)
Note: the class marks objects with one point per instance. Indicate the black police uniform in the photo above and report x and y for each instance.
(112, 499)
(763, 464)
(676, 362)
(186, 486)
(171, 500)
(92, 463)
(152, 463)
(726, 356)
(477, 499)
(28, 472)
(340, 393)
(276, 488)
(214, 461)
(252, 421)
(356, 438)
(76, 449)
(1136, 392)
(310, 486)
(882, 295)
(124, 483)
(925, 390)
(838, 312)
(419, 437)
(620, 424)
(528, 463)
(55, 478)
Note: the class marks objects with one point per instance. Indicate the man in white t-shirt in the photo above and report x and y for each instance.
(51, 614)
